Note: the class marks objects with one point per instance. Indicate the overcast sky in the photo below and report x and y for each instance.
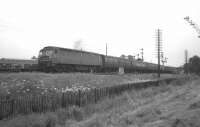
(126, 26)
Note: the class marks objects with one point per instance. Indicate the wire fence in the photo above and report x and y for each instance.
(11, 107)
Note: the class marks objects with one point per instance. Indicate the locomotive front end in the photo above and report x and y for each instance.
(45, 59)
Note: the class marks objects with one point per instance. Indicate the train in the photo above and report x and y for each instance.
(18, 65)
(58, 59)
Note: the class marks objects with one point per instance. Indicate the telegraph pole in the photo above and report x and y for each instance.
(138, 56)
(142, 53)
(106, 49)
(158, 48)
(186, 61)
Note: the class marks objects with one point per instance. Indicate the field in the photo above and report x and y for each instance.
(173, 105)
(45, 83)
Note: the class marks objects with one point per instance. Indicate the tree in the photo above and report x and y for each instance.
(123, 56)
(33, 57)
(194, 65)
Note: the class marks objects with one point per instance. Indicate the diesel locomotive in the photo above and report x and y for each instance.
(56, 59)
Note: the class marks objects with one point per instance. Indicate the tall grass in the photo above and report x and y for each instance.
(36, 83)
(118, 111)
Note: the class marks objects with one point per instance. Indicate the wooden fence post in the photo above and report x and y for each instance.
(79, 98)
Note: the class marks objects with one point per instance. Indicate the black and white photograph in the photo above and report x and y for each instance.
(99, 63)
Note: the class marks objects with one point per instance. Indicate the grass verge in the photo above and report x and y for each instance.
(154, 106)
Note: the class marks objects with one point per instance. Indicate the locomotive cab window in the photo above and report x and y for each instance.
(49, 53)
(46, 53)
(40, 53)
